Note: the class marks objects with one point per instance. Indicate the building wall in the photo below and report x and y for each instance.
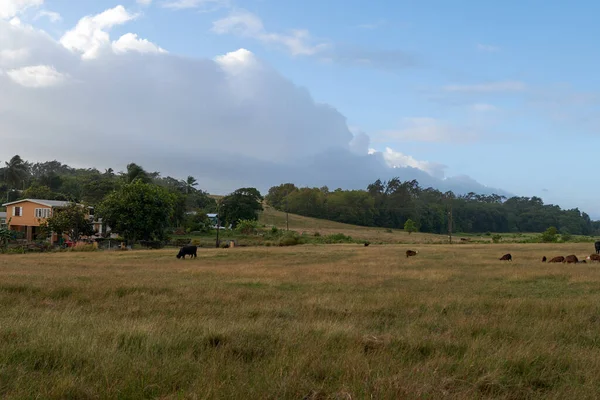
(28, 214)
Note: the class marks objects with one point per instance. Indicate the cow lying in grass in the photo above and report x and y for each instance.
(411, 253)
(187, 250)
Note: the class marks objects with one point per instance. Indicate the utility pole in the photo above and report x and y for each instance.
(218, 222)
(450, 223)
(287, 217)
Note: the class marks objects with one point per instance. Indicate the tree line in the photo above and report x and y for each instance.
(390, 204)
(138, 204)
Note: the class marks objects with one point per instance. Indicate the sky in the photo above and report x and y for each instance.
(466, 96)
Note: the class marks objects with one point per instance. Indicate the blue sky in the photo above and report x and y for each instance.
(506, 93)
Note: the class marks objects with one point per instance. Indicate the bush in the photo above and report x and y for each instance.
(550, 235)
(496, 238)
(84, 247)
(247, 227)
(338, 238)
(317, 234)
(566, 237)
(290, 238)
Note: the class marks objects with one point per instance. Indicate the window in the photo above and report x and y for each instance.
(17, 211)
(42, 213)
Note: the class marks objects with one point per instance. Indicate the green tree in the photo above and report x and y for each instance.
(36, 191)
(16, 172)
(244, 203)
(70, 220)
(277, 195)
(189, 183)
(138, 211)
(410, 226)
(136, 172)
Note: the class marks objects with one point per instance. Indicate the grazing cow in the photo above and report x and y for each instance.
(572, 259)
(544, 259)
(506, 257)
(410, 253)
(594, 257)
(597, 246)
(187, 250)
(557, 259)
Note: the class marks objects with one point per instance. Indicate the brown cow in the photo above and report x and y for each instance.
(557, 259)
(572, 259)
(506, 257)
(594, 257)
(410, 253)
(544, 259)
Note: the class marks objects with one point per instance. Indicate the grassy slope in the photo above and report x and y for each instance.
(306, 322)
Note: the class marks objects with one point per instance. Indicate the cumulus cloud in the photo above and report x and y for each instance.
(12, 8)
(36, 76)
(90, 35)
(131, 42)
(396, 159)
(233, 121)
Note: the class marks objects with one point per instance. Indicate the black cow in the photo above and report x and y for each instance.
(597, 246)
(187, 250)
(506, 257)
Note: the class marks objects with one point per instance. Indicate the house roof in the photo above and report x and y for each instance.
(47, 203)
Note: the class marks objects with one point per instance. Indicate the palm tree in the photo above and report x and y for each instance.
(189, 183)
(16, 171)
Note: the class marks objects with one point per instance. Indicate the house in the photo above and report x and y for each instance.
(28, 214)
(2, 219)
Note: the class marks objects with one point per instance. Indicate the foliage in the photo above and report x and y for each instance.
(290, 238)
(248, 227)
(242, 204)
(139, 210)
(496, 238)
(566, 237)
(550, 235)
(38, 191)
(16, 172)
(70, 220)
(410, 226)
(197, 222)
(5, 236)
(277, 195)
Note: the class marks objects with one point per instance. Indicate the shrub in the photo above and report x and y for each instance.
(496, 238)
(247, 227)
(550, 235)
(566, 237)
(290, 238)
(317, 234)
(338, 238)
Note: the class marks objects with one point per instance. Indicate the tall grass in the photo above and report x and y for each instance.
(316, 322)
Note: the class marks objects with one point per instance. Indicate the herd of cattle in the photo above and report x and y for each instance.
(191, 250)
(570, 259)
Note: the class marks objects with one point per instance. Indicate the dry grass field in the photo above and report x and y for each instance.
(307, 322)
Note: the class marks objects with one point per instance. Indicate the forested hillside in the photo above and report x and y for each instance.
(390, 204)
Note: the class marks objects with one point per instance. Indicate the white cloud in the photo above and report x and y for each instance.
(246, 24)
(483, 107)
(51, 15)
(12, 8)
(38, 76)
(231, 122)
(90, 35)
(425, 129)
(131, 42)
(488, 48)
(202, 5)
(396, 159)
(11, 56)
(144, 2)
(505, 86)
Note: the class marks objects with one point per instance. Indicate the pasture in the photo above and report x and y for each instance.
(305, 322)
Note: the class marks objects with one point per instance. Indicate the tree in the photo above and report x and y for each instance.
(244, 203)
(410, 226)
(138, 210)
(136, 172)
(277, 195)
(70, 220)
(189, 183)
(15, 172)
(36, 191)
